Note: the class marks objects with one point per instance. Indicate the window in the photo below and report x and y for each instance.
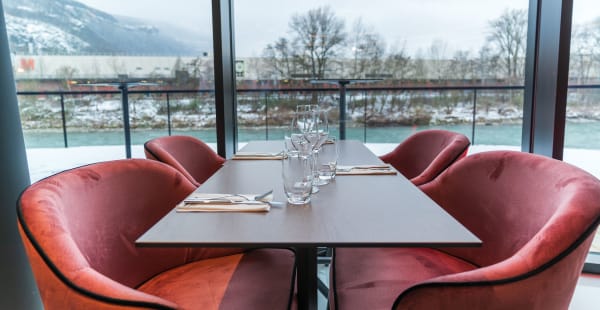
(74, 75)
(428, 64)
(582, 134)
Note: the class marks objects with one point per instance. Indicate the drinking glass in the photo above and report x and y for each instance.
(322, 127)
(307, 123)
(305, 115)
(326, 162)
(294, 138)
(297, 174)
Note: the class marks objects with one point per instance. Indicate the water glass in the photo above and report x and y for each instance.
(326, 161)
(297, 173)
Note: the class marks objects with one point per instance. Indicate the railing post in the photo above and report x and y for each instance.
(126, 127)
(64, 120)
(168, 113)
(267, 115)
(365, 118)
(343, 109)
(474, 116)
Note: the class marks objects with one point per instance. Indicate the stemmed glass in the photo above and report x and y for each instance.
(295, 137)
(307, 122)
(304, 135)
(321, 134)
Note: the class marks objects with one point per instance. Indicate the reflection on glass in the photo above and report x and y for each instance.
(453, 70)
(582, 135)
(87, 52)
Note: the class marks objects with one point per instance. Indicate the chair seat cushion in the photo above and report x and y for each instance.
(256, 279)
(372, 278)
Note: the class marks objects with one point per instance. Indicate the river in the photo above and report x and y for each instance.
(584, 135)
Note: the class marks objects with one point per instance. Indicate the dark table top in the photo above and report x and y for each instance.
(381, 210)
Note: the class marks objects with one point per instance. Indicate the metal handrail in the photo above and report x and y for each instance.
(365, 90)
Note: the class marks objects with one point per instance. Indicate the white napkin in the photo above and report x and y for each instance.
(202, 202)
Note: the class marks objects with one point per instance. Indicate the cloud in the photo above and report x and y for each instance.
(461, 23)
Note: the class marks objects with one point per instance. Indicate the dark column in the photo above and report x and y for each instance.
(343, 109)
(126, 123)
(225, 93)
(546, 76)
(18, 287)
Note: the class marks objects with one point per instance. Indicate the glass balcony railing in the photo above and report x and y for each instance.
(374, 115)
(489, 116)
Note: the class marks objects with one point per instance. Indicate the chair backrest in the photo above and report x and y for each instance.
(79, 228)
(536, 217)
(189, 155)
(425, 154)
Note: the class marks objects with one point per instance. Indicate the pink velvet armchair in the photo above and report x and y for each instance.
(425, 154)
(79, 229)
(536, 217)
(192, 157)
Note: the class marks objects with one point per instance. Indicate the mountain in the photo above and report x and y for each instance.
(58, 27)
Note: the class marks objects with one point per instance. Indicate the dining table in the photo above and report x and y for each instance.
(379, 210)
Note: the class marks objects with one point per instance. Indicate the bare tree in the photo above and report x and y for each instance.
(596, 39)
(584, 56)
(318, 35)
(584, 50)
(368, 49)
(397, 63)
(437, 59)
(201, 68)
(487, 64)
(420, 70)
(66, 73)
(508, 37)
(279, 58)
(461, 66)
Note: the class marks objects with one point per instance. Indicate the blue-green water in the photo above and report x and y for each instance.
(578, 135)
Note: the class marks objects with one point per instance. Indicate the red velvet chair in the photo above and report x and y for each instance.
(79, 229)
(425, 154)
(536, 217)
(192, 157)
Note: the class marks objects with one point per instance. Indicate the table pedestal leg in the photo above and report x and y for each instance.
(307, 277)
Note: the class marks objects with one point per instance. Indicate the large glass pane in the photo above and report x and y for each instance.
(79, 65)
(582, 136)
(457, 65)
(406, 65)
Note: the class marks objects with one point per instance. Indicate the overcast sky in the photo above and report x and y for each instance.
(461, 24)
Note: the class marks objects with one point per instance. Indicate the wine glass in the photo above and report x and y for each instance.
(294, 137)
(321, 135)
(322, 127)
(307, 122)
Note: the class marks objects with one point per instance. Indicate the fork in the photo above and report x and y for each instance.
(363, 167)
(230, 198)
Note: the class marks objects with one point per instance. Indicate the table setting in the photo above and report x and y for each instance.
(309, 206)
(209, 202)
(350, 210)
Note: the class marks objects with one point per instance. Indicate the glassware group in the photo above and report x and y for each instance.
(310, 154)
